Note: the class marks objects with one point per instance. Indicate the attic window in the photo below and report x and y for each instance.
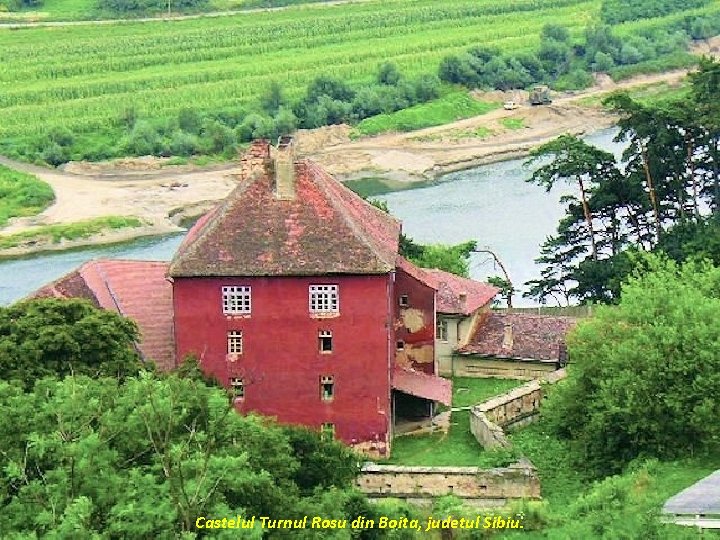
(236, 300)
(404, 300)
(238, 387)
(400, 345)
(324, 299)
(325, 339)
(327, 387)
(234, 342)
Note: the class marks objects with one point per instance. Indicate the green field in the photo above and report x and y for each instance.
(89, 79)
(85, 77)
(452, 107)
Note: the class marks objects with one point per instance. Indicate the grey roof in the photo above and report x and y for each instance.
(703, 497)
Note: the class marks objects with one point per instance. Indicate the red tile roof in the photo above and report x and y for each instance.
(135, 289)
(460, 296)
(422, 385)
(324, 229)
(534, 337)
(421, 274)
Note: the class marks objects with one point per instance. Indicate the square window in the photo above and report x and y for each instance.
(327, 432)
(327, 387)
(325, 341)
(236, 300)
(238, 387)
(400, 345)
(441, 330)
(324, 299)
(404, 302)
(234, 342)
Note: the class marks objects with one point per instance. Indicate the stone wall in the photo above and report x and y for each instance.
(492, 487)
(493, 367)
(489, 419)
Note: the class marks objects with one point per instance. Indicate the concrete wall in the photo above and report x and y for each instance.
(494, 486)
(489, 419)
(469, 366)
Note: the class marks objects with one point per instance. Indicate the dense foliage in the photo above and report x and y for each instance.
(146, 7)
(51, 337)
(644, 374)
(618, 11)
(664, 196)
(145, 459)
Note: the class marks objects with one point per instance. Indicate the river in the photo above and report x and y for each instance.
(491, 204)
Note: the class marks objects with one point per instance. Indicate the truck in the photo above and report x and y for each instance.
(540, 95)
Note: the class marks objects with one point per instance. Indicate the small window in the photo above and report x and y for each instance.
(327, 432)
(324, 299)
(441, 330)
(404, 302)
(238, 387)
(325, 339)
(234, 342)
(236, 300)
(327, 387)
(400, 345)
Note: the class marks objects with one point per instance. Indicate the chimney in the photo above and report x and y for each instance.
(463, 298)
(256, 159)
(507, 343)
(285, 169)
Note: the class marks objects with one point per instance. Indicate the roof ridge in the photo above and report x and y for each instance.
(356, 228)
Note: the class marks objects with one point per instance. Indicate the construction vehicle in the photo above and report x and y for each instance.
(540, 95)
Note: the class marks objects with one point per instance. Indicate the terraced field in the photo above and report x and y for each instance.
(86, 77)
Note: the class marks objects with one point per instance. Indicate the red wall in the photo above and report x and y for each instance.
(419, 340)
(281, 363)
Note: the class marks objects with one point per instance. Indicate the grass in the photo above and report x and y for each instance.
(469, 391)
(454, 106)
(22, 195)
(481, 132)
(70, 231)
(646, 93)
(458, 447)
(376, 185)
(513, 123)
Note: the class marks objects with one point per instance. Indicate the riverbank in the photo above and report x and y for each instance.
(167, 197)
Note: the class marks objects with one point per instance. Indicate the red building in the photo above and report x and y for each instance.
(291, 292)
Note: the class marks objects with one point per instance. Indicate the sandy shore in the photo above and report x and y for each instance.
(162, 197)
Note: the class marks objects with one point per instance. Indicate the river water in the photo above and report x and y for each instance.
(491, 204)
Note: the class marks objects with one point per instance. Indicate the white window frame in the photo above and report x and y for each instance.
(325, 334)
(238, 387)
(442, 328)
(235, 342)
(404, 300)
(327, 431)
(324, 299)
(236, 300)
(327, 380)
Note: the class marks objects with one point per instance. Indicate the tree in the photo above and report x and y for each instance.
(644, 375)
(86, 458)
(388, 74)
(51, 337)
(273, 98)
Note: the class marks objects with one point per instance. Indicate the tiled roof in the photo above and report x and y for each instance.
(135, 289)
(422, 385)
(324, 229)
(533, 337)
(460, 296)
(421, 274)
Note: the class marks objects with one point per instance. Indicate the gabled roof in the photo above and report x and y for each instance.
(533, 337)
(458, 295)
(324, 229)
(420, 274)
(422, 385)
(135, 289)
